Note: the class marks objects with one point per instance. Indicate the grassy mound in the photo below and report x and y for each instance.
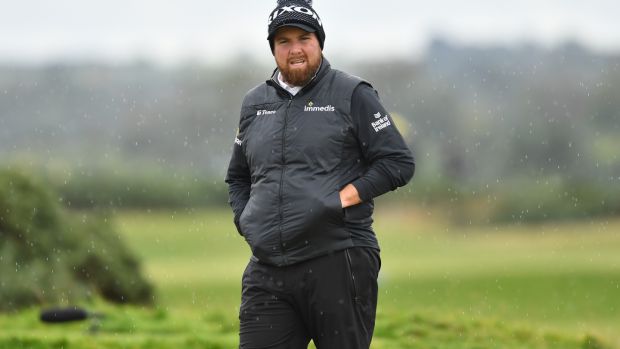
(424, 331)
(158, 329)
(49, 256)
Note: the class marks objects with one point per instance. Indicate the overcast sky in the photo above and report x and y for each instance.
(168, 32)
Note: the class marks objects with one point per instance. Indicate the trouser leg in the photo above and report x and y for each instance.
(341, 298)
(268, 318)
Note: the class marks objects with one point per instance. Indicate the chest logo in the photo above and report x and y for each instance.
(265, 112)
(310, 107)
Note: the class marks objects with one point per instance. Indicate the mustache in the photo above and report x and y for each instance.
(293, 58)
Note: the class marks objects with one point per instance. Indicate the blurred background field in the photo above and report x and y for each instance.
(116, 128)
(539, 286)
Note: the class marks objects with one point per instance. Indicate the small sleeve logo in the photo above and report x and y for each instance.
(381, 123)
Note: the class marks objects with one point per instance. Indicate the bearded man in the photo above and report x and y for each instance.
(314, 147)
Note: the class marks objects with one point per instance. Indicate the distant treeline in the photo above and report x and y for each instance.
(139, 189)
(499, 133)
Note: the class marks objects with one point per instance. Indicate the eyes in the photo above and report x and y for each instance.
(284, 41)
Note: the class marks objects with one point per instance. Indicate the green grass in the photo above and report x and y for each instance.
(441, 286)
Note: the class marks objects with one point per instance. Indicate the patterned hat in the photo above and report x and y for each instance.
(295, 13)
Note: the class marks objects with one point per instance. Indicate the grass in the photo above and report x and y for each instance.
(554, 285)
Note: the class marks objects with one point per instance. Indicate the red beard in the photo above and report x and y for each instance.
(299, 77)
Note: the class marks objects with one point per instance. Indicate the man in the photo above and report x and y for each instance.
(314, 147)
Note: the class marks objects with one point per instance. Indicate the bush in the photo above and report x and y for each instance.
(48, 255)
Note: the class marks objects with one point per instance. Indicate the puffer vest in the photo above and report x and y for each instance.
(300, 151)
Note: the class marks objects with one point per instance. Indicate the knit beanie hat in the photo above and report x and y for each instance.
(295, 13)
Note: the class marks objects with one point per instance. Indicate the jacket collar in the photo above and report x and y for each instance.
(324, 68)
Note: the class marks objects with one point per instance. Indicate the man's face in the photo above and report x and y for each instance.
(297, 53)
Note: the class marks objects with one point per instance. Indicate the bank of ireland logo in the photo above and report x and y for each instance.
(381, 122)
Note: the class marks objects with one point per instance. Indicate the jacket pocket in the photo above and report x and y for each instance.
(313, 217)
(333, 207)
(360, 213)
(242, 225)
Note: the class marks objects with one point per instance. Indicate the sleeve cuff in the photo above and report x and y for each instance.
(363, 189)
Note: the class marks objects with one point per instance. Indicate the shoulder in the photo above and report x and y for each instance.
(354, 85)
(349, 79)
(364, 91)
(257, 95)
(342, 85)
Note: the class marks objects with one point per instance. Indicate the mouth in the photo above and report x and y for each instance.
(297, 62)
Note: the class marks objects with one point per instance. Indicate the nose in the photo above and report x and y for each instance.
(296, 47)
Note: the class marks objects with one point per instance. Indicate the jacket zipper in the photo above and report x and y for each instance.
(282, 248)
(350, 265)
(290, 101)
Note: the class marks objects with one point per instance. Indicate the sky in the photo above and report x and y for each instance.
(172, 32)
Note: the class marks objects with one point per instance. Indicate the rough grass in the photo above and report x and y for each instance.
(442, 286)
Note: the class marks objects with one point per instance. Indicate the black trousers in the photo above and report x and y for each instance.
(331, 300)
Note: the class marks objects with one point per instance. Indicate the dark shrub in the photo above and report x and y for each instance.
(48, 255)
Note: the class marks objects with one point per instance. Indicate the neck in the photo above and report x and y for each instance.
(283, 81)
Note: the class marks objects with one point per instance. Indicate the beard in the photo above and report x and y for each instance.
(299, 76)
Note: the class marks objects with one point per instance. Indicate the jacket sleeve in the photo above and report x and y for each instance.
(238, 179)
(389, 160)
